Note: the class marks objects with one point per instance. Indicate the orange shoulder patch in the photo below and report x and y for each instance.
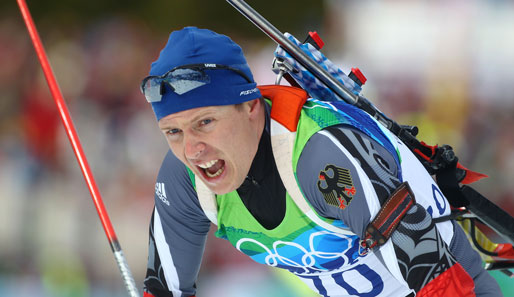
(287, 104)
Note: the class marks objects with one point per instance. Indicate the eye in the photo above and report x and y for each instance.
(205, 122)
(172, 132)
(205, 125)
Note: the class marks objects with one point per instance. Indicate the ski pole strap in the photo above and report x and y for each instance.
(388, 218)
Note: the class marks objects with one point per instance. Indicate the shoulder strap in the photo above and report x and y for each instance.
(207, 200)
(287, 104)
(282, 142)
(285, 114)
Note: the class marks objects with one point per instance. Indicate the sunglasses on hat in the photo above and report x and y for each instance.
(181, 79)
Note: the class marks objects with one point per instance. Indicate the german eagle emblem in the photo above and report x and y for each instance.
(336, 185)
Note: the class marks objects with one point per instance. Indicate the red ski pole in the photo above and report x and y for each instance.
(77, 149)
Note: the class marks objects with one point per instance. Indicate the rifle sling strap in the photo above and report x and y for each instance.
(388, 217)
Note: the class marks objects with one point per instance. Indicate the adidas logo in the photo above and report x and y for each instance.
(161, 193)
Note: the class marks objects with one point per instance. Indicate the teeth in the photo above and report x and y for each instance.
(208, 164)
(216, 173)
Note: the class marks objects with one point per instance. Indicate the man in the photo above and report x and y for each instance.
(227, 165)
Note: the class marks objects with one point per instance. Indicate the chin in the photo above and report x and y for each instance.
(221, 189)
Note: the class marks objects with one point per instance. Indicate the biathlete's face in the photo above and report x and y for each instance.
(218, 143)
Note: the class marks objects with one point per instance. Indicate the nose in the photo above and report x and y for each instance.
(193, 147)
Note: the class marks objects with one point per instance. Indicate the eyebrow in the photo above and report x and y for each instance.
(166, 125)
(206, 113)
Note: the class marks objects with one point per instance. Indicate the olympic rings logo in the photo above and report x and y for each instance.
(310, 255)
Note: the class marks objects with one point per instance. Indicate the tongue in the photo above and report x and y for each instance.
(214, 168)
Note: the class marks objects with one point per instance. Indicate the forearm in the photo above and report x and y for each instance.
(173, 260)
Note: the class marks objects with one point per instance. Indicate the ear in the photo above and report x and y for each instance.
(255, 110)
(253, 107)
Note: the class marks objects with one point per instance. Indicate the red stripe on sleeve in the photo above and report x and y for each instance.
(454, 282)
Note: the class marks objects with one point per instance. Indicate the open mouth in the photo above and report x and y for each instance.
(213, 168)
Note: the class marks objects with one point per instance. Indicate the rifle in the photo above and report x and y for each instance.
(442, 162)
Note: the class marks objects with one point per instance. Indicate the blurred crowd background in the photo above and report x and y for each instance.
(445, 66)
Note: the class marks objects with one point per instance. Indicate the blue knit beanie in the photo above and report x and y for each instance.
(200, 46)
